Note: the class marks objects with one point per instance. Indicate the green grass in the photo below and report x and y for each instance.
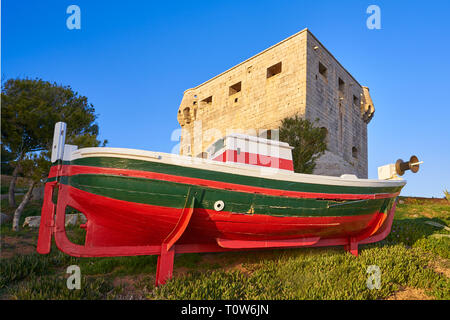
(406, 258)
(21, 267)
(118, 266)
(411, 229)
(55, 288)
(306, 274)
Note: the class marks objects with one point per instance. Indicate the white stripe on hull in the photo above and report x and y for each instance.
(233, 168)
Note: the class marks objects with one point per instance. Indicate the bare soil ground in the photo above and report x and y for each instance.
(132, 288)
(12, 246)
(441, 266)
(406, 293)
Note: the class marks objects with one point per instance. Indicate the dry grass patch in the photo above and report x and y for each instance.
(407, 293)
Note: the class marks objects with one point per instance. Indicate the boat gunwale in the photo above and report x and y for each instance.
(230, 168)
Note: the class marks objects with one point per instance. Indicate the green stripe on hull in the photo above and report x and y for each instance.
(108, 162)
(171, 194)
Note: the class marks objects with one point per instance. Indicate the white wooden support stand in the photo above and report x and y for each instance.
(59, 139)
(60, 150)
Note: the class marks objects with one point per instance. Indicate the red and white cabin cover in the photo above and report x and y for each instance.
(240, 148)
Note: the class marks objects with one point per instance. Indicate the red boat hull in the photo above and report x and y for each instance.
(114, 222)
(120, 228)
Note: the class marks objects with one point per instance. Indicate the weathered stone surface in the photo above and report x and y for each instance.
(331, 164)
(71, 220)
(4, 218)
(32, 222)
(217, 107)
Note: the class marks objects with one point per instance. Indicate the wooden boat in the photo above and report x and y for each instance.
(150, 203)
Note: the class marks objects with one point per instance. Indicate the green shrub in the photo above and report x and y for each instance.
(447, 195)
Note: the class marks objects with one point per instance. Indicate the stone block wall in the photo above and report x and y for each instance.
(336, 99)
(296, 76)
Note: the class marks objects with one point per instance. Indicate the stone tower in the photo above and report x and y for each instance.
(295, 76)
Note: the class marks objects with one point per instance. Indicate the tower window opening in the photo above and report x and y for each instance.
(235, 88)
(274, 70)
(355, 152)
(322, 70)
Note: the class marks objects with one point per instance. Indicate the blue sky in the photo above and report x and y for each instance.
(134, 59)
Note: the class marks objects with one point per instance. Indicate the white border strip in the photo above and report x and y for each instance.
(233, 168)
